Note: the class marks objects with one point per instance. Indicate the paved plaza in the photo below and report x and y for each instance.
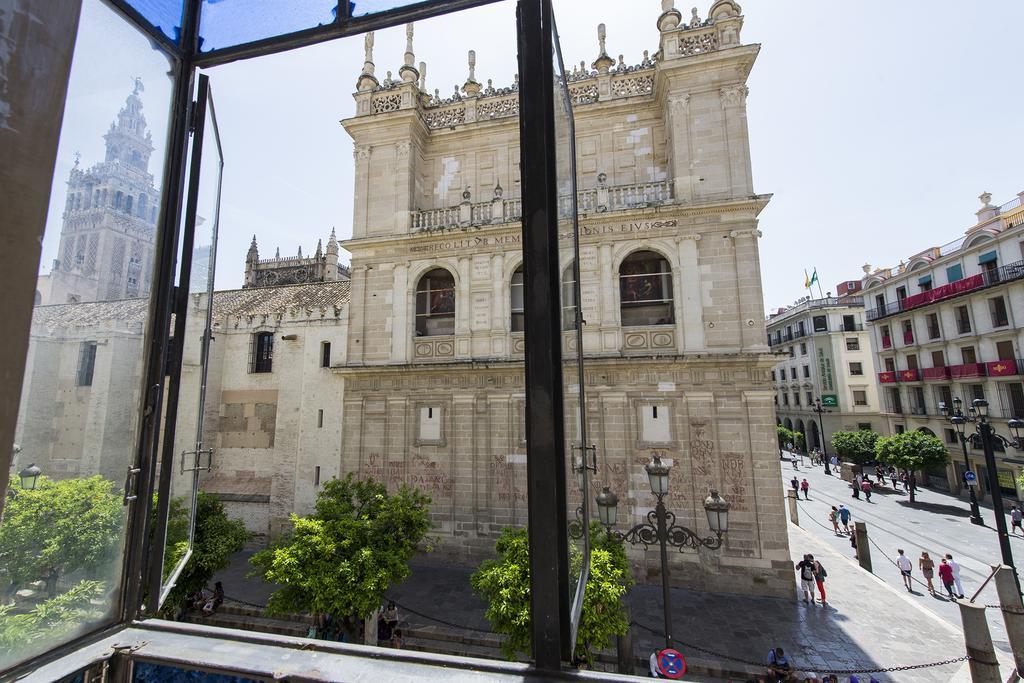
(937, 523)
(869, 622)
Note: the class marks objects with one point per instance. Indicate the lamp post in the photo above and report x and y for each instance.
(978, 415)
(29, 476)
(958, 421)
(821, 430)
(661, 527)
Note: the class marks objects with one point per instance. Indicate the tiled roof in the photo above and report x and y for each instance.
(231, 302)
(266, 300)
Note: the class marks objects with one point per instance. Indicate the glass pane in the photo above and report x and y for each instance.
(191, 453)
(63, 534)
(226, 23)
(579, 456)
(163, 14)
(363, 7)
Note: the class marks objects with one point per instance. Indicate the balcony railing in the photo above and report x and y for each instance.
(887, 378)
(909, 375)
(501, 210)
(886, 342)
(1004, 368)
(918, 410)
(1007, 273)
(932, 374)
(967, 370)
(908, 336)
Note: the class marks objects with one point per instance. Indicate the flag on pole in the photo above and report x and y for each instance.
(808, 281)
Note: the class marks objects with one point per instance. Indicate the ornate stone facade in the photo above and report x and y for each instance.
(433, 376)
(322, 266)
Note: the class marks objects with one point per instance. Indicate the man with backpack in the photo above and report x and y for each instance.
(844, 517)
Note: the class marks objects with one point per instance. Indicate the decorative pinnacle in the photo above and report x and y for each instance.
(423, 76)
(603, 62)
(409, 58)
(408, 72)
(600, 38)
(471, 87)
(368, 57)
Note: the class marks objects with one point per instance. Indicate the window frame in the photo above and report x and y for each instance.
(261, 343)
(86, 370)
(666, 283)
(428, 314)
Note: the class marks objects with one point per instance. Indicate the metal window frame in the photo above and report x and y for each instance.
(545, 434)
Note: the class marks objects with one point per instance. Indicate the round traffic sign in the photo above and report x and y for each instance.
(671, 663)
(971, 478)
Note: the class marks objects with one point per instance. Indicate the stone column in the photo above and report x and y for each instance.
(983, 662)
(734, 112)
(356, 330)
(500, 316)
(748, 289)
(362, 193)
(1013, 616)
(400, 295)
(403, 187)
(679, 125)
(863, 545)
(690, 320)
(464, 301)
(794, 514)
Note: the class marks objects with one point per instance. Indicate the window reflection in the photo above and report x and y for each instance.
(435, 304)
(645, 288)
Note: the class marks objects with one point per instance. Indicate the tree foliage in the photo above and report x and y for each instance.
(912, 451)
(505, 584)
(856, 447)
(61, 527)
(341, 559)
(53, 620)
(216, 539)
(785, 434)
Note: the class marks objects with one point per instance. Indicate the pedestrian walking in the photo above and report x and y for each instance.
(806, 569)
(905, 480)
(652, 662)
(865, 486)
(844, 517)
(795, 483)
(905, 567)
(946, 576)
(819, 578)
(1015, 520)
(835, 463)
(927, 567)
(856, 486)
(833, 516)
(805, 487)
(955, 566)
(893, 476)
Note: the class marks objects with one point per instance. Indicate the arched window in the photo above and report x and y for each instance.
(142, 206)
(568, 298)
(117, 199)
(516, 296)
(128, 204)
(435, 304)
(645, 290)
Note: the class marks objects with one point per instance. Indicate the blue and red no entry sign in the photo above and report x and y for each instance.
(671, 663)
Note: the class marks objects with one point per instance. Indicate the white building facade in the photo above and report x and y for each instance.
(949, 323)
(825, 355)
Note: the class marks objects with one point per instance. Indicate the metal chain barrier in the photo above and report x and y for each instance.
(838, 672)
(243, 602)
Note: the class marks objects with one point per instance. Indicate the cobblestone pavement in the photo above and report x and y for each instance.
(867, 623)
(937, 523)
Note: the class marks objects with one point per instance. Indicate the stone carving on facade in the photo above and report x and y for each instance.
(387, 103)
(583, 94)
(497, 108)
(734, 95)
(698, 43)
(402, 149)
(361, 152)
(446, 117)
(633, 85)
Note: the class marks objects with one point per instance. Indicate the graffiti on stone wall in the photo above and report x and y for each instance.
(378, 468)
(429, 477)
(734, 480)
(701, 450)
(505, 478)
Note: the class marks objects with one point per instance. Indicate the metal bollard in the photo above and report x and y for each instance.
(863, 547)
(1013, 617)
(983, 662)
(794, 514)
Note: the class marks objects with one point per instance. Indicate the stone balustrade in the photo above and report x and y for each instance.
(600, 199)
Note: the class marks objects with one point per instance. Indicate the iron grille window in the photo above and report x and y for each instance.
(963, 320)
(856, 369)
(853, 344)
(933, 326)
(261, 352)
(860, 398)
(997, 306)
(86, 363)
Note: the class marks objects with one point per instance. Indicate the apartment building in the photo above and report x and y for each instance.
(947, 323)
(825, 354)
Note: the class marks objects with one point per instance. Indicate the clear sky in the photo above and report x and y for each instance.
(874, 124)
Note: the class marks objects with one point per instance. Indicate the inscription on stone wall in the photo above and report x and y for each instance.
(428, 476)
(505, 478)
(734, 480)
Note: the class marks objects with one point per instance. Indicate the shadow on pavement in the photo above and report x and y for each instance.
(940, 508)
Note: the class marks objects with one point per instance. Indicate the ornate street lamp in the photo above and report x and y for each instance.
(958, 421)
(29, 476)
(821, 429)
(978, 416)
(661, 527)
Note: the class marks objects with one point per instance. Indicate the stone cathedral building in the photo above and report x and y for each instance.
(411, 369)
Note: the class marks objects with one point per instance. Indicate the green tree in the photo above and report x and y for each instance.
(505, 584)
(798, 440)
(216, 539)
(912, 451)
(61, 527)
(53, 619)
(857, 447)
(341, 559)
